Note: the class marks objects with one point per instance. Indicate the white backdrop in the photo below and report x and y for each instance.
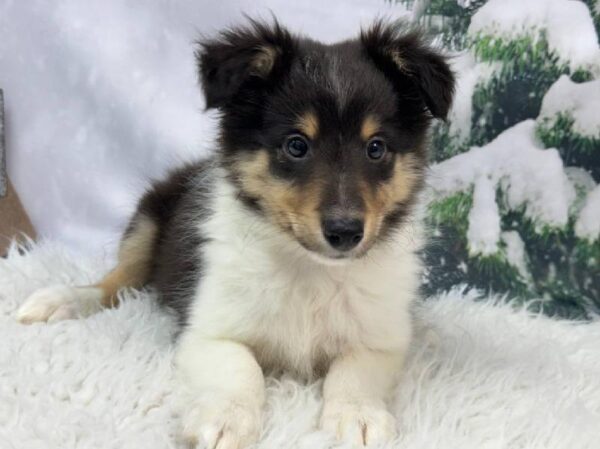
(102, 95)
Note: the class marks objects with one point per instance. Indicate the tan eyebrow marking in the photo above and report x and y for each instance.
(370, 126)
(309, 124)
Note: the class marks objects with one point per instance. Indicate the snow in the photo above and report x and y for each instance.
(102, 95)
(419, 8)
(580, 178)
(529, 175)
(516, 255)
(469, 74)
(583, 182)
(577, 100)
(587, 225)
(566, 24)
(483, 232)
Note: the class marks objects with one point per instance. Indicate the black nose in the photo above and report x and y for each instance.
(343, 234)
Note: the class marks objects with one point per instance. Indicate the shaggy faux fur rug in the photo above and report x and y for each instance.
(481, 375)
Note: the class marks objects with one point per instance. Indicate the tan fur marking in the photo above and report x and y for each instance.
(294, 209)
(399, 61)
(309, 125)
(264, 60)
(370, 127)
(133, 268)
(381, 201)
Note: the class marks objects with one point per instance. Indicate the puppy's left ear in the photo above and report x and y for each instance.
(405, 58)
(242, 61)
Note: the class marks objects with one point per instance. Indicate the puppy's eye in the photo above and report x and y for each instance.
(376, 149)
(296, 146)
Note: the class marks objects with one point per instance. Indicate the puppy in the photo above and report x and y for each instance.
(293, 248)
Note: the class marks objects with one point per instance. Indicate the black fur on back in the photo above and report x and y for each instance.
(176, 205)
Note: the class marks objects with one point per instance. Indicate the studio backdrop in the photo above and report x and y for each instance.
(100, 96)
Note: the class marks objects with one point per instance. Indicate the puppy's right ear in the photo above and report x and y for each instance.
(242, 61)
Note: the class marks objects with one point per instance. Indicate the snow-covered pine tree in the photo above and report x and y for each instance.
(516, 199)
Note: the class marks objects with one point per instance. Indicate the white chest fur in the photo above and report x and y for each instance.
(262, 289)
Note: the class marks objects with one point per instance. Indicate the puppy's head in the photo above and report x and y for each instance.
(326, 141)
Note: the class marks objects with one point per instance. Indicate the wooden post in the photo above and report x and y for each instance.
(14, 222)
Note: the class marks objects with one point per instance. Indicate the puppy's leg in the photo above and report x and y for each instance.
(354, 394)
(61, 302)
(226, 388)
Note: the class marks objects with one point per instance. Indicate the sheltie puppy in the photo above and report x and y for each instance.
(293, 248)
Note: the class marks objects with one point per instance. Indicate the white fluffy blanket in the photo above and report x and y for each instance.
(481, 375)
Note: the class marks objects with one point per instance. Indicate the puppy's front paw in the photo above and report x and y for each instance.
(364, 424)
(60, 302)
(228, 425)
